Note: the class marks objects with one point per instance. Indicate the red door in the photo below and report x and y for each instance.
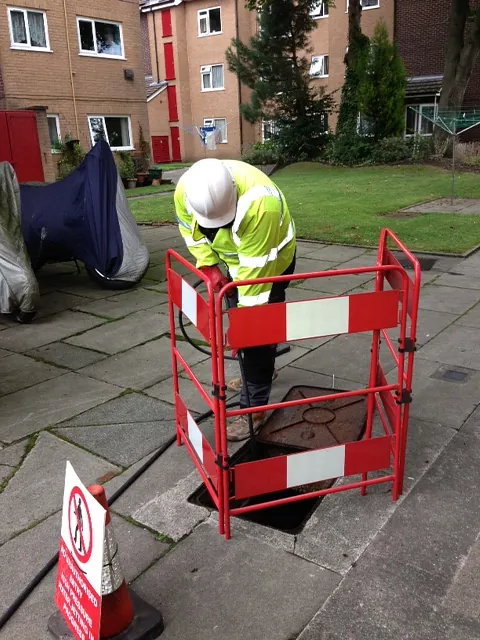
(172, 103)
(20, 146)
(175, 135)
(160, 149)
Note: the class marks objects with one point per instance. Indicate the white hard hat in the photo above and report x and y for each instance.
(211, 193)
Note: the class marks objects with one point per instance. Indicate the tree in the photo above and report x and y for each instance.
(463, 47)
(382, 87)
(354, 67)
(275, 67)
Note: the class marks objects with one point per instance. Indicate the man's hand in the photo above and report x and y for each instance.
(216, 277)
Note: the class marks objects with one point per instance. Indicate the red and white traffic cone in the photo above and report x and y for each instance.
(117, 609)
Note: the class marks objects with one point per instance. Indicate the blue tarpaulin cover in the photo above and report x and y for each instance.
(77, 216)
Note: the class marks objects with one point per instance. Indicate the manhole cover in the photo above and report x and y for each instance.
(314, 426)
(426, 264)
(457, 375)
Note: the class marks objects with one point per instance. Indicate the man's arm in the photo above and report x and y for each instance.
(198, 247)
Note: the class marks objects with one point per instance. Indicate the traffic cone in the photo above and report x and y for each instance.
(117, 609)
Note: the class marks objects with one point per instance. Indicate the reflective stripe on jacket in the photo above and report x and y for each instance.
(261, 241)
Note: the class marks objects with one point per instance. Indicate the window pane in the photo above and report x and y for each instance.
(217, 76)
(86, 35)
(206, 80)
(370, 3)
(316, 66)
(221, 126)
(117, 130)
(411, 121)
(215, 21)
(19, 32)
(108, 39)
(325, 65)
(37, 29)
(98, 130)
(426, 126)
(203, 24)
(52, 130)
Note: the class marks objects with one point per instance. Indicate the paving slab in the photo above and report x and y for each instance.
(448, 299)
(25, 337)
(19, 372)
(66, 355)
(274, 593)
(304, 248)
(472, 318)
(157, 272)
(120, 335)
(379, 599)
(305, 265)
(141, 366)
(471, 425)
(429, 325)
(47, 403)
(58, 301)
(36, 490)
(463, 281)
(121, 305)
(345, 523)
(462, 597)
(10, 458)
(441, 401)
(338, 253)
(169, 512)
(122, 444)
(4, 354)
(337, 285)
(346, 357)
(456, 345)
(188, 392)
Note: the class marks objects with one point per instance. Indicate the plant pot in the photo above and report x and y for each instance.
(141, 178)
(156, 174)
(131, 184)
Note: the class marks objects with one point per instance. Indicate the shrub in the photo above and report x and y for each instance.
(71, 156)
(391, 150)
(350, 150)
(262, 153)
(421, 148)
(125, 165)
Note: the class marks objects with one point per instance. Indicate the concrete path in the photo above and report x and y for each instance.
(89, 381)
(462, 206)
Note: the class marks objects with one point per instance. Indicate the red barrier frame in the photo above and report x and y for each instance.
(390, 401)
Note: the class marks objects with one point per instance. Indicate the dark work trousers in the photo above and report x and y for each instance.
(259, 362)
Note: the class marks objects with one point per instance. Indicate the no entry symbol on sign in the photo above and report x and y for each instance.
(80, 526)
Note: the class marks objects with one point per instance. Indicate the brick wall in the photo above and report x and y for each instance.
(43, 78)
(147, 60)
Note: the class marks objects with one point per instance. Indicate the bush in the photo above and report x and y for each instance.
(421, 148)
(71, 156)
(262, 153)
(391, 150)
(126, 166)
(350, 150)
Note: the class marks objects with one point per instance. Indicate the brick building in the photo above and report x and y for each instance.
(187, 44)
(82, 62)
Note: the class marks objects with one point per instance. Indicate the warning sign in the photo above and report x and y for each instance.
(79, 577)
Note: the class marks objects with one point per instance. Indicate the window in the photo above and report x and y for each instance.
(320, 10)
(212, 77)
(53, 130)
(209, 22)
(98, 38)
(416, 122)
(116, 130)
(319, 67)
(269, 129)
(368, 4)
(28, 29)
(220, 125)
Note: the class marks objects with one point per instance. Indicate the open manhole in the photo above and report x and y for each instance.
(291, 430)
(426, 263)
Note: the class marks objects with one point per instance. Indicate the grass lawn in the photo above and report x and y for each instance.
(145, 191)
(171, 166)
(350, 206)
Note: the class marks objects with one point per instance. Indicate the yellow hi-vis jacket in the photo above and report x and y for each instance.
(260, 243)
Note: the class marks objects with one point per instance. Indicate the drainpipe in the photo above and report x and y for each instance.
(154, 14)
(72, 83)
(240, 120)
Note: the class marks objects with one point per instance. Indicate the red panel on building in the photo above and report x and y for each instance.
(172, 104)
(166, 23)
(160, 149)
(20, 146)
(175, 135)
(169, 64)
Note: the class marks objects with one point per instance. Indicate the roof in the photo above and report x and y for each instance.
(154, 88)
(154, 5)
(423, 86)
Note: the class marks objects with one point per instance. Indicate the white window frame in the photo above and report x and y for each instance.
(376, 6)
(92, 141)
(323, 75)
(418, 120)
(95, 54)
(207, 70)
(320, 11)
(28, 46)
(209, 33)
(211, 122)
(57, 126)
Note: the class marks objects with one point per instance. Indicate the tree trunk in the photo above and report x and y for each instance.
(354, 29)
(463, 47)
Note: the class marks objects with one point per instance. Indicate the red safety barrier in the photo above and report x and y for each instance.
(375, 312)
